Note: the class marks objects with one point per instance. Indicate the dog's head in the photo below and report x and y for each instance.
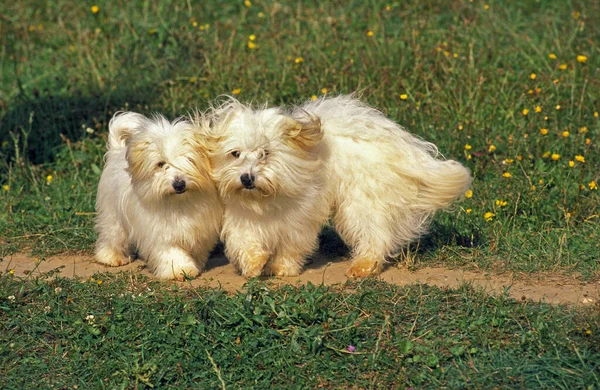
(262, 153)
(165, 159)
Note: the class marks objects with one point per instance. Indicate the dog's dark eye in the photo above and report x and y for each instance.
(235, 153)
(160, 164)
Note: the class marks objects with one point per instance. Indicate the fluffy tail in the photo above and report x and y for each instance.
(441, 183)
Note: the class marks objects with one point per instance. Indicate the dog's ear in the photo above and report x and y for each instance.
(303, 130)
(123, 126)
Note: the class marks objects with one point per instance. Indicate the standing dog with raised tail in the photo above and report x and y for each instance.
(156, 197)
(283, 173)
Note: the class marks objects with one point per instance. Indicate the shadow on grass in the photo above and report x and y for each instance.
(34, 127)
(440, 234)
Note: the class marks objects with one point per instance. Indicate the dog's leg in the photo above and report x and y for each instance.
(248, 257)
(367, 227)
(200, 254)
(112, 246)
(292, 252)
(171, 263)
(286, 264)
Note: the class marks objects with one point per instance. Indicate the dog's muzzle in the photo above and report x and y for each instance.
(247, 181)
(179, 186)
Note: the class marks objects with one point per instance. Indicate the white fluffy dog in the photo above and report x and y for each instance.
(156, 196)
(282, 174)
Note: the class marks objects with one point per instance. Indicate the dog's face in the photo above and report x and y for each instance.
(165, 160)
(260, 154)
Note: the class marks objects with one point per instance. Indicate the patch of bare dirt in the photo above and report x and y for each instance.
(550, 288)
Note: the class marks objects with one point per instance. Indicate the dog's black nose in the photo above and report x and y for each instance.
(179, 186)
(247, 181)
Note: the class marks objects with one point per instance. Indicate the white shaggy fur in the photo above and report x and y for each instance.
(156, 196)
(334, 157)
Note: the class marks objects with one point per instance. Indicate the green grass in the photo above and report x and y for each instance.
(146, 334)
(457, 73)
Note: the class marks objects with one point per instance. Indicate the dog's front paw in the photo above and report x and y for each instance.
(250, 261)
(283, 268)
(178, 272)
(112, 257)
(173, 263)
(362, 268)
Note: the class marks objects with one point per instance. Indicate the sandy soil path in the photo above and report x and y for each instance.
(554, 289)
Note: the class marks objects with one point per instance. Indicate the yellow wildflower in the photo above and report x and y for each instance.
(501, 203)
(252, 37)
(460, 127)
(588, 141)
(251, 45)
(403, 96)
(49, 179)
(486, 7)
(538, 109)
(5, 187)
(236, 91)
(468, 147)
(99, 282)
(557, 107)
(532, 76)
(580, 158)
(95, 9)
(583, 130)
(313, 97)
(468, 211)
(552, 56)
(571, 164)
(469, 194)
(592, 185)
(247, 3)
(533, 188)
(11, 271)
(370, 33)
(489, 216)
(469, 157)
(562, 66)
(525, 111)
(491, 148)
(582, 59)
(555, 156)
(596, 114)
(565, 134)
(324, 91)
(299, 60)
(544, 131)
(508, 160)
(507, 175)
